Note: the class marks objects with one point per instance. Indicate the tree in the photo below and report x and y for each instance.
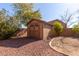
(68, 17)
(7, 25)
(13, 21)
(24, 12)
(58, 27)
(75, 28)
(2, 15)
(6, 30)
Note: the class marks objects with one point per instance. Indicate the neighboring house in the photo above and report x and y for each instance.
(51, 22)
(38, 29)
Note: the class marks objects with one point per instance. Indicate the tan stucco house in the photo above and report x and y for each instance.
(40, 29)
(43, 30)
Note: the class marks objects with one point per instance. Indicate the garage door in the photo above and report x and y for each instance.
(34, 31)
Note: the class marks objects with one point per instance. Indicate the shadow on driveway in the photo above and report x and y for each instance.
(17, 42)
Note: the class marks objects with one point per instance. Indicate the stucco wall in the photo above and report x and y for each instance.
(67, 32)
(46, 33)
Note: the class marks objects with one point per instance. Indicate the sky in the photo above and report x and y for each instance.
(49, 11)
(52, 11)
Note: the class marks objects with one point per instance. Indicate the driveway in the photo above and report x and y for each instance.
(66, 45)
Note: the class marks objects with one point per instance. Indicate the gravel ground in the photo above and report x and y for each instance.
(66, 45)
(26, 47)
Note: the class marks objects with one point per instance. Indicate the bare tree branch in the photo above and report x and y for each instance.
(67, 17)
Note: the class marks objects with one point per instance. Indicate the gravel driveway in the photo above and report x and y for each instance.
(26, 47)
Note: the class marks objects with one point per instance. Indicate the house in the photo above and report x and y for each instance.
(38, 29)
(43, 30)
(51, 22)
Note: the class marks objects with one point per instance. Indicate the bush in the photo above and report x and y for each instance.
(7, 30)
(75, 29)
(58, 28)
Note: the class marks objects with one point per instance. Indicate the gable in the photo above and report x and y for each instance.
(51, 22)
(32, 20)
(34, 24)
(37, 21)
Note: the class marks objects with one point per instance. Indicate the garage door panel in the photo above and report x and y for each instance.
(35, 30)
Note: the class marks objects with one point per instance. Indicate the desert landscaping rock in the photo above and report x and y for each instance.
(66, 45)
(26, 47)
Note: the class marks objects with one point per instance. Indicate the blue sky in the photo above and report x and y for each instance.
(55, 10)
(7, 6)
(49, 11)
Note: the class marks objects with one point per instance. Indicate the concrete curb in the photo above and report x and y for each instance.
(55, 48)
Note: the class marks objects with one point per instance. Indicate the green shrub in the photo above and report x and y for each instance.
(58, 28)
(75, 29)
(7, 30)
